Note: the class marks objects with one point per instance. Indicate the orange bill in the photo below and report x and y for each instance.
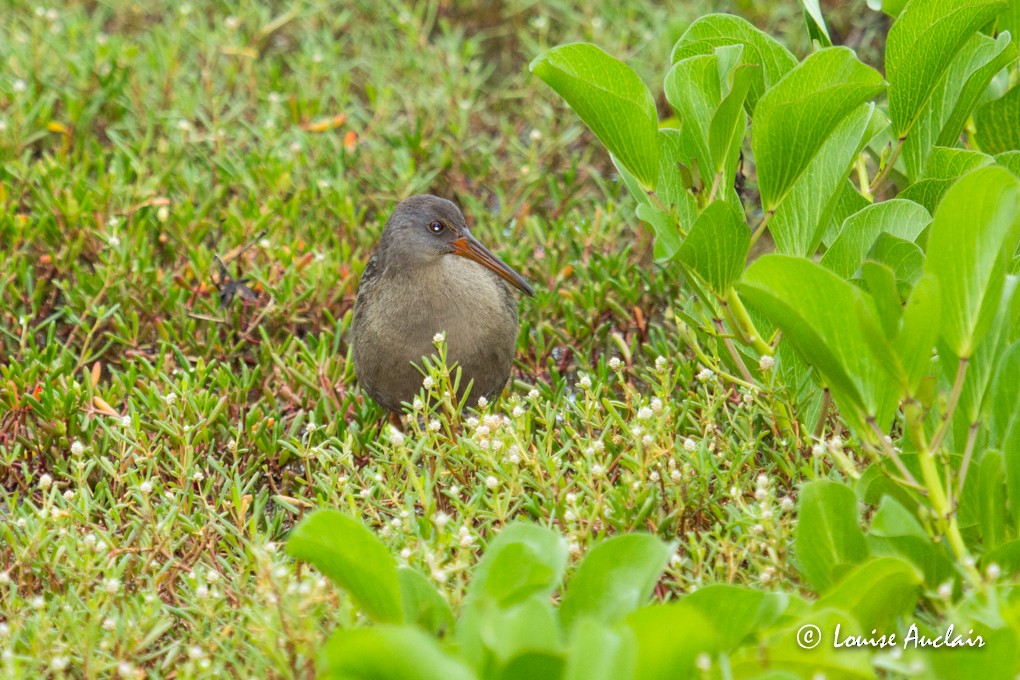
(467, 246)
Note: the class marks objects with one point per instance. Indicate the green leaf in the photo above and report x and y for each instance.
(816, 23)
(904, 258)
(818, 313)
(918, 332)
(670, 637)
(598, 652)
(920, 47)
(876, 592)
(954, 97)
(859, 232)
(615, 578)
(1004, 426)
(829, 540)
(996, 660)
(737, 612)
(524, 559)
(972, 238)
(350, 555)
(991, 498)
(894, 531)
(998, 123)
(715, 30)
(716, 247)
(667, 234)
(726, 131)
(1010, 159)
(881, 282)
(611, 100)
(532, 665)
(423, 605)
(527, 627)
(672, 189)
(387, 653)
(799, 113)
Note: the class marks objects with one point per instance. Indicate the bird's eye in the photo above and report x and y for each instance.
(436, 227)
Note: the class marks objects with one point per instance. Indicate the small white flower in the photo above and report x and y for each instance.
(428, 383)
(195, 652)
(5, 630)
(766, 362)
(993, 571)
(703, 662)
(417, 404)
(396, 437)
(198, 476)
(615, 364)
(5, 578)
(661, 364)
(109, 623)
(705, 374)
(69, 495)
(163, 214)
(202, 592)
(441, 519)
(231, 23)
(645, 413)
(434, 425)
(113, 241)
(535, 134)
(440, 575)
(405, 554)
(690, 446)
(438, 338)
(170, 398)
(946, 590)
(45, 481)
(125, 421)
(648, 440)
(657, 405)
(482, 402)
(183, 125)
(761, 494)
(786, 504)
(125, 670)
(654, 476)
(517, 412)
(675, 476)
(19, 85)
(817, 450)
(38, 602)
(77, 448)
(584, 382)
(540, 22)
(533, 394)
(569, 516)
(58, 663)
(111, 585)
(491, 482)
(597, 470)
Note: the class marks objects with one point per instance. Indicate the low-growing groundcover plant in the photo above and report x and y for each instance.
(884, 329)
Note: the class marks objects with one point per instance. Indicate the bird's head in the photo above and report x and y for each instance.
(425, 228)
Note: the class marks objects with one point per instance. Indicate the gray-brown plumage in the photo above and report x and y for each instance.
(429, 275)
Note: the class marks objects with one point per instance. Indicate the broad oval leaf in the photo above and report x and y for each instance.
(601, 652)
(920, 47)
(817, 29)
(715, 30)
(894, 531)
(798, 114)
(829, 540)
(350, 555)
(998, 123)
(716, 247)
(972, 238)
(876, 592)
(737, 612)
(670, 637)
(612, 101)
(388, 653)
(859, 232)
(818, 313)
(615, 578)
(423, 605)
(522, 560)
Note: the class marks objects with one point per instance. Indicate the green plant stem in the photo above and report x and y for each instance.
(822, 416)
(968, 452)
(945, 517)
(890, 451)
(742, 320)
(733, 353)
(760, 229)
(884, 173)
(954, 399)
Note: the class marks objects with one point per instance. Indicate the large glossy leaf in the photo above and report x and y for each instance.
(859, 232)
(670, 638)
(918, 333)
(527, 627)
(350, 555)
(1005, 421)
(611, 100)
(894, 531)
(819, 314)
(921, 45)
(522, 560)
(829, 540)
(615, 578)
(998, 123)
(423, 605)
(876, 592)
(796, 116)
(942, 119)
(715, 30)
(737, 612)
(388, 653)
(601, 652)
(972, 237)
(716, 247)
